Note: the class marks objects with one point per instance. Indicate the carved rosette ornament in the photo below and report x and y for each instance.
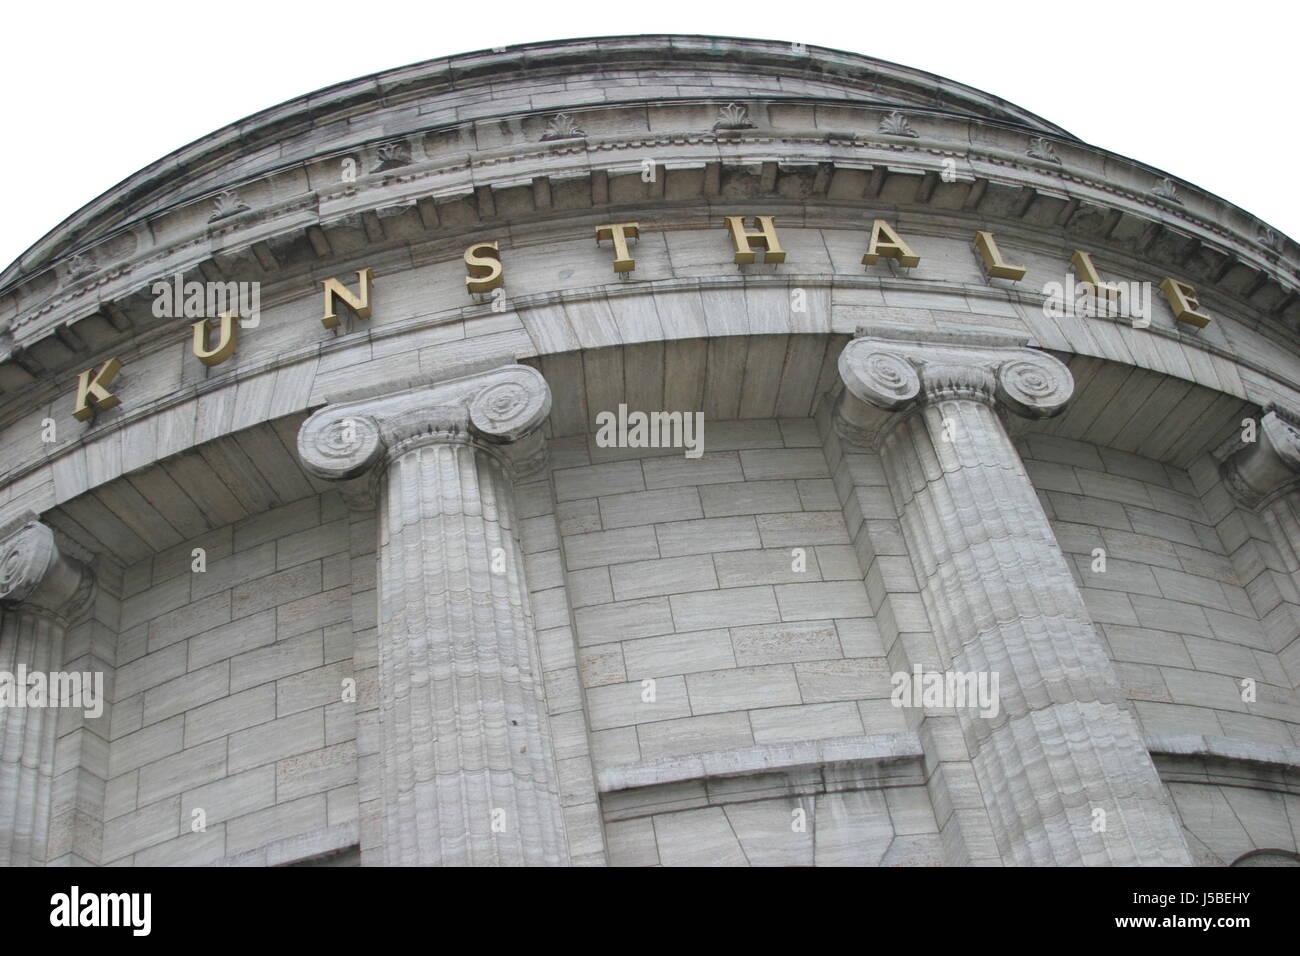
(733, 117)
(1042, 148)
(226, 204)
(896, 124)
(562, 126)
(41, 590)
(1002, 601)
(467, 766)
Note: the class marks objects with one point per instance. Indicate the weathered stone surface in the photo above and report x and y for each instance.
(640, 657)
(999, 595)
(469, 775)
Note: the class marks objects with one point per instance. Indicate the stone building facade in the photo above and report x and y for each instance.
(366, 580)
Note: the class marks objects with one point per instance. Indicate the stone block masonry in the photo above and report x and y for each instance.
(231, 730)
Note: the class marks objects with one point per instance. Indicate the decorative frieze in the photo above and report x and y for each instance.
(486, 271)
(1166, 189)
(392, 155)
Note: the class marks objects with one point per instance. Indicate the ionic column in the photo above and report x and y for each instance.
(1264, 476)
(1002, 601)
(41, 590)
(468, 768)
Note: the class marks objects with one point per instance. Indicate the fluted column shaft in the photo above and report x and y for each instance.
(29, 644)
(1063, 743)
(40, 591)
(468, 767)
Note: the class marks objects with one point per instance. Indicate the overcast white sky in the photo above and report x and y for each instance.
(95, 91)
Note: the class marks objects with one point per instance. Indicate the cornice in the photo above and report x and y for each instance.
(436, 177)
(1000, 186)
(969, 116)
(451, 84)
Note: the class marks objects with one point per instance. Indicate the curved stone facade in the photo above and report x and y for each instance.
(652, 450)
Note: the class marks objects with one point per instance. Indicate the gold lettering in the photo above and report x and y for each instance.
(226, 341)
(359, 304)
(483, 260)
(92, 393)
(765, 237)
(887, 243)
(1182, 299)
(620, 232)
(994, 265)
(1085, 270)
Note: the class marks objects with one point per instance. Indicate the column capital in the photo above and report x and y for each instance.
(502, 407)
(1260, 471)
(36, 576)
(889, 369)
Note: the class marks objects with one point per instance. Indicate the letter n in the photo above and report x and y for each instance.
(359, 304)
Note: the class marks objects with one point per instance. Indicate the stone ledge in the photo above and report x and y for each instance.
(314, 843)
(874, 751)
(1224, 748)
(1226, 762)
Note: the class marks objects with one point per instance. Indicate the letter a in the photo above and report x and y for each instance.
(892, 248)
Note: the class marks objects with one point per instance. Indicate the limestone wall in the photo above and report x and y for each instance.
(229, 696)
